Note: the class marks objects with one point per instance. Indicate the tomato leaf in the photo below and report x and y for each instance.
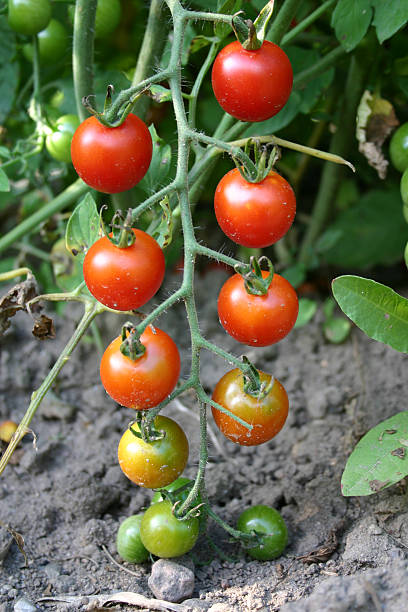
(389, 17)
(336, 329)
(381, 313)
(376, 224)
(228, 7)
(4, 182)
(307, 310)
(351, 20)
(82, 227)
(159, 166)
(380, 458)
(161, 228)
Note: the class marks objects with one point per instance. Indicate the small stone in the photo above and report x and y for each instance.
(194, 605)
(24, 605)
(171, 581)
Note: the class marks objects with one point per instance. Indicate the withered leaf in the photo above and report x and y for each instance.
(16, 299)
(377, 485)
(399, 452)
(324, 552)
(44, 328)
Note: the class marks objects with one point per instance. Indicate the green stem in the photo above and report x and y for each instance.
(332, 173)
(150, 51)
(282, 21)
(91, 310)
(306, 22)
(63, 200)
(83, 52)
(198, 82)
(199, 484)
(330, 59)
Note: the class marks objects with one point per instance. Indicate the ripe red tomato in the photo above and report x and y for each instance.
(252, 85)
(148, 380)
(115, 159)
(124, 278)
(257, 320)
(266, 415)
(254, 214)
(154, 464)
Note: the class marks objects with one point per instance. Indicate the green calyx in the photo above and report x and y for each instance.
(252, 34)
(254, 281)
(131, 346)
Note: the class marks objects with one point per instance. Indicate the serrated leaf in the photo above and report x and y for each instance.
(82, 227)
(350, 20)
(377, 310)
(4, 181)
(159, 166)
(307, 310)
(228, 7)
(389, 17)
(161, 228)
(379, 460)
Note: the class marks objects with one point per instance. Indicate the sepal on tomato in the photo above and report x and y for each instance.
(254, 282)
(131, 346)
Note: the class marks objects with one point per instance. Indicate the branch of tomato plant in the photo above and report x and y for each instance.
(31, 223)
(340, 143)
(327, 61)
(281, 23)
(83, 52)
(92, 308)
(306, 22)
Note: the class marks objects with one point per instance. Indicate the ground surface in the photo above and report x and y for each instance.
(68, 498)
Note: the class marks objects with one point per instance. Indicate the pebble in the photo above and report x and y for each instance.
(24, 605)
(171, 581)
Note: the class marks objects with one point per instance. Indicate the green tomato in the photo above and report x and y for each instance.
(406, 254)
(52, 43)
(58, 143)
(404, 188)
(107, 18)
(166, 536)
(128, 543)
(399, 148)
(29, 16)
(264, 520)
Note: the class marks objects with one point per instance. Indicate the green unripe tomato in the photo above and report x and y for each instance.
(404, 188)
(128, 543)
(29, 16)
(52, 43)
(166, 536)
(399, 148)
(268, 521)
(59, 142)
(107, 18)
(406, 254)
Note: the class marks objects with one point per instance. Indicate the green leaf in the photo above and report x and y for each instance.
(389, 17)
(159, 166)
(307, 310)
(228, 7)
(373, 232)
(295, 274)
(66, 267)
(82, 227)
(279, 121)
(9, 73)
(380, 458)
(161, 228)
(350, 20)
(4, 182)
(379, 311)
(336, 329)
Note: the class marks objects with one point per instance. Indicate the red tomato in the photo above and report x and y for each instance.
(124, 278)
(148, 380)
(112, 160)
(266, 415)
(154, 464)
(257, 320)
(252, 85)
(254, 214)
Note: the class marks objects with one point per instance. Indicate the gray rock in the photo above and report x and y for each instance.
(24, 605)
(171, 581)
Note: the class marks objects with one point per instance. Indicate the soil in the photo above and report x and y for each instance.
(68, 497)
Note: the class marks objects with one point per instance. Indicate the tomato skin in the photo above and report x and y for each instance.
(128, 542)
(257, 320)
(267, 520)
(124, 278)
(166, 536)
(154, 464)
(267, 416)
(52, 44)
(107, 18)
(252, 85)
(112, 160)
(254, 214)
(29, 16)
(147, 381)
(59, 142)
(399, 148)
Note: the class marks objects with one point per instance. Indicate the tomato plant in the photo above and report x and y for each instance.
(166, 536)
(124, 278)
(58, 143)
(156, 463)
(149, 379)
(257, 320)
(29, 16)
(112, 159)
(252, 85)
(268, 523)
(254, 214)
(399, 148)
(267, 414)
(128, 542)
